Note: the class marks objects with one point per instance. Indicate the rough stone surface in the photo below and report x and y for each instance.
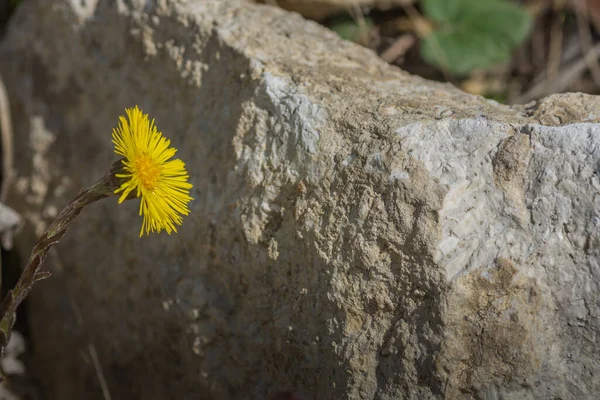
(356, 232)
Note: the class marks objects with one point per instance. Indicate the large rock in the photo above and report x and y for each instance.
(356, 232)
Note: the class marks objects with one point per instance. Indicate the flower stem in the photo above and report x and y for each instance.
(31, 273)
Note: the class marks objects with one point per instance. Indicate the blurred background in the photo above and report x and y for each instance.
(511, 51)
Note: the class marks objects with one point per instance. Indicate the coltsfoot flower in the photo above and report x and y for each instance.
(161, 183)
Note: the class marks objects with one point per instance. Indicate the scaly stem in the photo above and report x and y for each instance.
(31, 273)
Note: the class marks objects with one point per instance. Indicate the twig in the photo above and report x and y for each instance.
(556, 40)
(367, 36)
(98, 368)
(538, 49)
(91, 349)
(564, 80)
(7, 143)
(581, 11)
(398, 48)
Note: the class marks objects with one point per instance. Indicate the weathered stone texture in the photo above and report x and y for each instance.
(356, 232)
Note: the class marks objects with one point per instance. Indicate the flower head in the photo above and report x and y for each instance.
(148, 172)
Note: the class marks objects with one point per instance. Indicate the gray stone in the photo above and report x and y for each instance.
(10, 223)
(356, 232)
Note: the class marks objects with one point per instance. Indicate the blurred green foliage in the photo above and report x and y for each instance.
(472, 34)
(499, 97)
(350, 29)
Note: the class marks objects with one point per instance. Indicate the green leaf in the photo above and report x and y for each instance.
(473, 34)
(442, 10)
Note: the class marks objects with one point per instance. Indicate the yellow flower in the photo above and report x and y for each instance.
(162, 183)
